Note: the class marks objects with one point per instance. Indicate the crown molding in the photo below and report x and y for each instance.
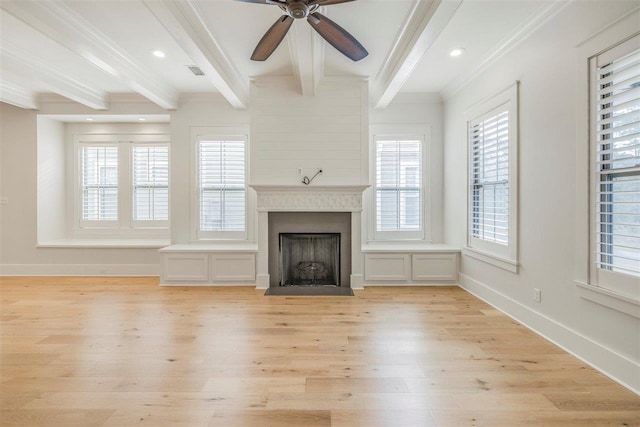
(307, 57)
(426, 21)
(513, 39)
(17, 95)
(55, 80)
(59, 22)
(185, 21)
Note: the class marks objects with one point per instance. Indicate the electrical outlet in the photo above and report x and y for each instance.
(4, 200)
(537, 295)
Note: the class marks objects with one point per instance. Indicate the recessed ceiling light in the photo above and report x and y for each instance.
(142, 119)
(89, 119)
(158, 53)
(456, 52)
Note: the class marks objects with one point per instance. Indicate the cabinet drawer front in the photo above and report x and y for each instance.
(186, 267)
(387, 267)
(233, 268)
(435, 267)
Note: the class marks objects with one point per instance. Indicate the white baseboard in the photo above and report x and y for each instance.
(356, 281)
(262, 281)
(612, 364)
(79, 269)
(409, 283)
(211, 285)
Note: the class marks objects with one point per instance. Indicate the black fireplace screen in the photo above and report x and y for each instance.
(309, 259)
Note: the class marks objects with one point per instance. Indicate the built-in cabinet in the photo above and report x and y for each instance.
(236, 265)
(388, 265)
(202, 265)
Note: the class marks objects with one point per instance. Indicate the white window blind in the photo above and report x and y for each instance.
(399, 195)
(617, 161)
(222, 185)
(99, 182)
(150, 183)
(489, 193)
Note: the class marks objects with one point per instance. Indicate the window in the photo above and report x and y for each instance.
(615, 147)
(150, 183)
(399, 195)
(222, 187)
(492, 216)
(489, 196)
(99, 183)
(123, 186)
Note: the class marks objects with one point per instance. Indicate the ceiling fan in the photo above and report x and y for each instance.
(337, 36)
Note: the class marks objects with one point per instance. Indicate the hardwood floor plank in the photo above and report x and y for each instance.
(54, 417)
(115, 352)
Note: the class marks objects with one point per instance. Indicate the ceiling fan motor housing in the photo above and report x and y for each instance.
(298, 9)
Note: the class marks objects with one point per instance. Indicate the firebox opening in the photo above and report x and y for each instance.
(309, 259)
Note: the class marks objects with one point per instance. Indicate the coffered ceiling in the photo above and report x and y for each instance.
(88, 50)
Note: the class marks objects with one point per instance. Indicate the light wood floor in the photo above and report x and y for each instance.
(120, 352)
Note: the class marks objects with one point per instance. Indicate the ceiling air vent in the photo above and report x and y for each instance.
(195, 70)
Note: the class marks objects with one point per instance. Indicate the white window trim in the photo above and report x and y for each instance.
(220, 133)
(125, 227)
(586, 287)
(419, 132)
(502, 256)
(149, 224)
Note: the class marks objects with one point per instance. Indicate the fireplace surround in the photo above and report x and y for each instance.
(336, 199)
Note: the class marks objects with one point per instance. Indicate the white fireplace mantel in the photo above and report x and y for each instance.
(310, 198)
(306, 198)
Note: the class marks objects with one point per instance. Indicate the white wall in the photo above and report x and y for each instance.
(327, 131)
(51, 179)
(546, 65)
(18, 219)
(194, 112)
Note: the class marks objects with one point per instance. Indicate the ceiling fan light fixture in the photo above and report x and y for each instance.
(297, 9)
(456, 52)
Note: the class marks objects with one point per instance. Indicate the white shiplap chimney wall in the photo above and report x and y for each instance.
(328, 131)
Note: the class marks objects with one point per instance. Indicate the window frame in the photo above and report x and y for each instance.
(500, 255)
(125, 226)
(617, 282)
(137, 223)
(401, 132)
(219, 134)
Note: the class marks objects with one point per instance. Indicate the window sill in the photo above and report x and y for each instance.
(106, 243)
(610, 299)
(497, 261)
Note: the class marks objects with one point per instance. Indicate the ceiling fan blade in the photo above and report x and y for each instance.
(272, 38)
(337, 36)
(326, 2)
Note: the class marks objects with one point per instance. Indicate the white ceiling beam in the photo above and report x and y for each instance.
(426, 21)
(19, 96)
(62, 24)
(186, 23)
(307, 57)
(54, 80)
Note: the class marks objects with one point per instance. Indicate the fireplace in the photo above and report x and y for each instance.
(310, 209)
(309, 259)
